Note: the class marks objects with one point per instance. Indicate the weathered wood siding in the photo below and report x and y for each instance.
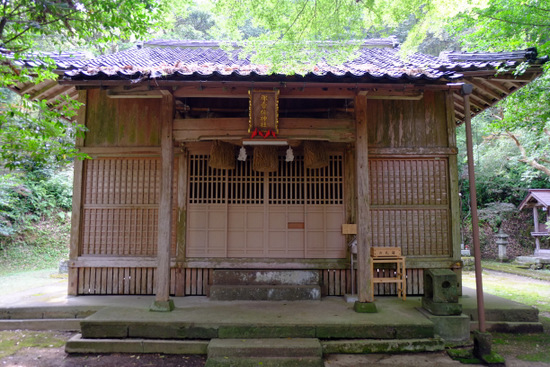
(408, 124)
(121, 122)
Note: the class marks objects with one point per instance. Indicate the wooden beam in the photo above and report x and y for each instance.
(162, 296)
(495, 86)
(482, 89)
(76, 214)
(39, 93)
(364, 286)
(473, 209)
(459, 100)
(334, 130)
(181, 232)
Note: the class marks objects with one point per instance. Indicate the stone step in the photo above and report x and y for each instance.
(511, 327)
(265, 292)
(265, 352)
(264, 362)
(364, 346)
(78, 344)
(265, 277)
(41, 324)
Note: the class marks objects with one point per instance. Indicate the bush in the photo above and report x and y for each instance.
(34, 218)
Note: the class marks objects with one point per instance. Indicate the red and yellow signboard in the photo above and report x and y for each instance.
(264, 113)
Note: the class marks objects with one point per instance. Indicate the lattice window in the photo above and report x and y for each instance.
(292, 184)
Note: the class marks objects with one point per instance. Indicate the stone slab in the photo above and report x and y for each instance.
(265, 292)
(267, 331)
(329, 318)
(265, 277)
(452, 329)
(266, 347)
(441, 309)
(510, 327)
(264, 362)
(79, 345)
(363, 346)
(41, 324)
(172, 331)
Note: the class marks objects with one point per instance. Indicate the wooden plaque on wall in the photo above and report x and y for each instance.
(264, 111)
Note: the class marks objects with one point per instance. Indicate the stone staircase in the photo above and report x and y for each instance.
(265, 285)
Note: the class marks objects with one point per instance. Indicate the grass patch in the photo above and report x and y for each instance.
(526, 347)
(517, 269)
(12, 341)
(533, 293)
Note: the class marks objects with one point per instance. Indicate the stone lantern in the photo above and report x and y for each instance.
(502, 242)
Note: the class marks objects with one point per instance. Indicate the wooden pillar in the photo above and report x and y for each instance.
(466, 90)
(364, 285)
(76, 215)
(162, 298)
(181, 230)
(536, 228)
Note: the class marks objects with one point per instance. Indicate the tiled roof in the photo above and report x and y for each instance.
(194, 60)
(536, 197)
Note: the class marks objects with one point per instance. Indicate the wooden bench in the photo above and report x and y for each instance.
(390, 255)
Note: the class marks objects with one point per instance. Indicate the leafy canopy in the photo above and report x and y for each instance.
(31, 133)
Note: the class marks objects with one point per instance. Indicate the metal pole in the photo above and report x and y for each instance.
(466, 90)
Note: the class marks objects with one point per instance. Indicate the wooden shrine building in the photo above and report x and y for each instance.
(538, 199)
(203, 161)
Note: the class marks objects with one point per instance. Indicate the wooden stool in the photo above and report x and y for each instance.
(390, 255)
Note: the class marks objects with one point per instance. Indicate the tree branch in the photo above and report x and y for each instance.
(547, 25)
(532, 162)
(536, 7)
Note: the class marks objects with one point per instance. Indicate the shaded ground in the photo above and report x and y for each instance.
(46, 349)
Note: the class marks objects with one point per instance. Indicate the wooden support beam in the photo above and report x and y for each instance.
(364, 287)
(76, 215)
(473, 209)
(162, 298)
(458, 99)
(43, 90)
(482, 89)
(183, 176)
(485, 103)
(334, 130)
(495, 86)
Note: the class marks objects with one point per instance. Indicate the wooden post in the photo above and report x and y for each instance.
(74, 246)
(365, 292)
(162, 298)
(466, 90)
(536, 228)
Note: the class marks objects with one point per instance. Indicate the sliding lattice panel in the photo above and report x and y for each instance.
(292, 213)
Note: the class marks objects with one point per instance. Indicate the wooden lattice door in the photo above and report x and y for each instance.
(292, 213)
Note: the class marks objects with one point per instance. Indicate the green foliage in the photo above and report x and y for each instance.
(32, 133)
(505, 25)
(27, 199)
(34, 219)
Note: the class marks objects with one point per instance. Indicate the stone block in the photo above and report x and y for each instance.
(453, 329)
(266, 277)
(92, 330)
(441, 309)
(266, 331)
(367, 346)
(356, 332)
(175, 346)
(440, 285)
